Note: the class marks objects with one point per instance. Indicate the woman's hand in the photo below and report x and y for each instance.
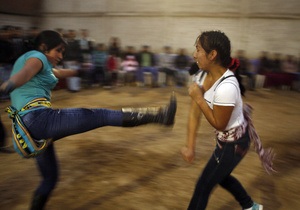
(196, 92)
(188, 154)
(7, 87)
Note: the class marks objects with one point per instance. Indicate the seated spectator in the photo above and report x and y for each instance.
(182, 65)
(86, 45)
(166, 63)
(265, 64)
(263, 67)
(291, 77)
(130, 66)
(275, 78)
(111, 73)
(72, 60)
(276, 63)
(129, 51)
(114, 47)
(245, 69)
(146, 59)
(283, 77)
(99, 57)
(73, 48)
(289, 64)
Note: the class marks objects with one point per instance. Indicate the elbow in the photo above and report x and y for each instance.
(220, 124)
(220, 127)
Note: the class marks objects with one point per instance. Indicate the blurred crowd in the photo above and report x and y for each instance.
(270, 71)
(109, 64)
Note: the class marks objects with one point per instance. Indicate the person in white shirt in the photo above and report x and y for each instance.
(217, 94)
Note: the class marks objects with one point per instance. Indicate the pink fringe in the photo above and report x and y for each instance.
(266, 155)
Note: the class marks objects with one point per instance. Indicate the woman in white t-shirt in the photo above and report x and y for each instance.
(217, 94)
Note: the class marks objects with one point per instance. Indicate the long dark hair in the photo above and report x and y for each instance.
(217, 40)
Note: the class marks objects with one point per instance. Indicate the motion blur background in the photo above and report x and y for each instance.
(109, 169)
(254, 26)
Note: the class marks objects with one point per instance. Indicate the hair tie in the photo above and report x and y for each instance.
(234, 64)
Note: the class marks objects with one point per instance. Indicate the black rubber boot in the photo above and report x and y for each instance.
(140, 116)
(38, 202)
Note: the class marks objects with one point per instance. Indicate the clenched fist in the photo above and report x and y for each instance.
(188, 154)
(196, 92)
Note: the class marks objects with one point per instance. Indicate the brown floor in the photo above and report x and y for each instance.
(141, 168)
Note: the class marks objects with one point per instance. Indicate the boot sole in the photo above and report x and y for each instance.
(171, 111)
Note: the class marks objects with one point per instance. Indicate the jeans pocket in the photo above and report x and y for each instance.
(29, 118)
(218, 153)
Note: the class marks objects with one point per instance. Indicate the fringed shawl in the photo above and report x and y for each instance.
(266, 155)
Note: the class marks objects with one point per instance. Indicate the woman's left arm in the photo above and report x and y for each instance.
(219, 116)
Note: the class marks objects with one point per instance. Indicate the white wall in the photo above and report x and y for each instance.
(16, 20)
(257, 25)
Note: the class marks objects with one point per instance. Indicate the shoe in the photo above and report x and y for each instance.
(140, 116)
(170, 111)
(256, 206)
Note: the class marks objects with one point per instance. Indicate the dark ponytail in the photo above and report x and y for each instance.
(235, 67)
(193, 68)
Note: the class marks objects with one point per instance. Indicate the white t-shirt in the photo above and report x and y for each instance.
(224, 92)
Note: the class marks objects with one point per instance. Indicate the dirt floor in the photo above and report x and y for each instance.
(141, 168)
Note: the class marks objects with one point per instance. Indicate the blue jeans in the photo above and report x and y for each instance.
(218, 170)
(152, 70)
(59, 123)
(182, 77)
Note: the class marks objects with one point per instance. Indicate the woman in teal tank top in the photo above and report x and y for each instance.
(32, 78)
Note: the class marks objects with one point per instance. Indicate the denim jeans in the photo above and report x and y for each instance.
(59, 123)
(217, 171)
(152, 70)
(182, 76)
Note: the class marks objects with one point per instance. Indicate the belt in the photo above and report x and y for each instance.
(36, 103)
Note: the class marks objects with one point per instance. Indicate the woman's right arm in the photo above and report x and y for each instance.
(188, 152)
(31, 68)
